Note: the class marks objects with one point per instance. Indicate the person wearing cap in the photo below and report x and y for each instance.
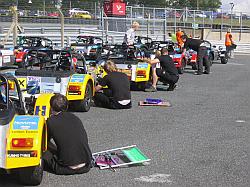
(129, 37)
(202, 55)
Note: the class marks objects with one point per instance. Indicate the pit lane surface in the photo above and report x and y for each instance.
(203, 140)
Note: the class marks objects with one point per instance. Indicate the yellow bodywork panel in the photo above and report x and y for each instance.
(42, 106)
(142, 72)
(26, 140)
(77, 86)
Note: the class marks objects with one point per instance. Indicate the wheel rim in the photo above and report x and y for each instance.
(88, 96)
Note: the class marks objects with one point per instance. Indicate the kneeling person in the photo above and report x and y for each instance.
(71, 154)
(118, 95)
(168, 73)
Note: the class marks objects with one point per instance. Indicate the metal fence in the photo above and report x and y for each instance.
(154, 22)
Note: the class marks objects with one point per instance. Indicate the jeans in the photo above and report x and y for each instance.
(202, 59)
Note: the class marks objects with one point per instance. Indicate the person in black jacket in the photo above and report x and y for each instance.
(71, 153)
(117, 94)
(202, 55)
(167, 72)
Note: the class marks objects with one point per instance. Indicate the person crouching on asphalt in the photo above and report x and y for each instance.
(71, 153)
(202, 55)
(117, 95)
(167, 72)
(154, 75)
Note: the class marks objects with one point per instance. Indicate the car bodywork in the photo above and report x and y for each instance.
(61, 72)
(27, 43)
(89, 46)
(23, 137)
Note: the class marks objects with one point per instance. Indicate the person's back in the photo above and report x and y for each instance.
(168, 65)
(119, 84)
(71, 153)
(70, 137)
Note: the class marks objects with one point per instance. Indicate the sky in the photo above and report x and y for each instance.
(239, 5)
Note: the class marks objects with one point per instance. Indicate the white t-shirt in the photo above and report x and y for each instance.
(129, 37)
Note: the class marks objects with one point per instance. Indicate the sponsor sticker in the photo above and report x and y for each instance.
(142, 65)
(22, 83)
(21, 154)
(26, 123)
(77, 78)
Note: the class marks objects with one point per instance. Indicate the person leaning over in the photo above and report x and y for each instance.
(117, 95)
(168, 73)
(71, 153)
(202, 55)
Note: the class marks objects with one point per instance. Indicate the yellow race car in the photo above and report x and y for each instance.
(64, 73)
(23, 137)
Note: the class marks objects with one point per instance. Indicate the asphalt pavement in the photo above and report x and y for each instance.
(202, 140)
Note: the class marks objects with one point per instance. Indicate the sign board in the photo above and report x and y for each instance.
(114, 8)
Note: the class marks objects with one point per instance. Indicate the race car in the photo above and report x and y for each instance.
(7, 57)
(175, 53)
(137, 71)
(27, 43)
(23, 137)
(58, 71)
(89, 46)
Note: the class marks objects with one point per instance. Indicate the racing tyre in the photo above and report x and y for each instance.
(224, 60)
(31, 175)
(84, 105)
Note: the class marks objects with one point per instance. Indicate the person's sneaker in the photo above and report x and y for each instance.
(205, 72)
(151, 89)
(171, 87)
(198, 73)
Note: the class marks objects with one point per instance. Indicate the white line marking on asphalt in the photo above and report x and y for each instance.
(240, 121)
(236, 64)
(155, 178)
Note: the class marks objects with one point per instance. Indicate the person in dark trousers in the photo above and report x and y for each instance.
(168, 73)
(71, 153)
(117, 95)
(202, 55)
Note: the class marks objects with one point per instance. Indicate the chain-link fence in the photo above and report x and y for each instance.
(154, 22)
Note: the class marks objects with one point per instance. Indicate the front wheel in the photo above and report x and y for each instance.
(84, 105)
(224, 60)
(31, 175)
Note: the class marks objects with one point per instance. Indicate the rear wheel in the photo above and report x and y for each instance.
(31, 175)
(84, 105)
(224, 60)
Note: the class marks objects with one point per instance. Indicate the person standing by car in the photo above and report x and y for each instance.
(229, 43)
(71, 153)
(179, 34)
(117, 95)
(202, 55)
(167, 72)
(129, 37)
